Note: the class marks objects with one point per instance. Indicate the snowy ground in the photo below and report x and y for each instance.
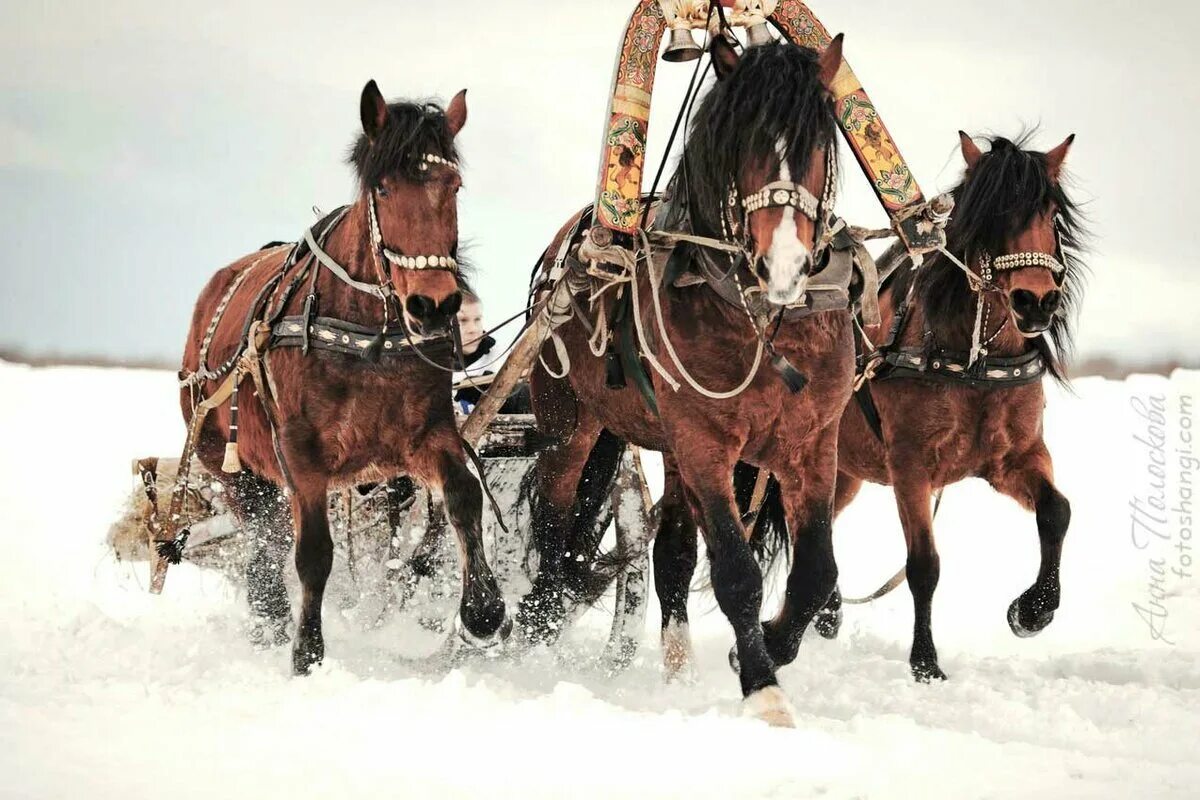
(109, 692)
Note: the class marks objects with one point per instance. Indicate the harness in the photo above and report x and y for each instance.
(266, 328)
(976, 369)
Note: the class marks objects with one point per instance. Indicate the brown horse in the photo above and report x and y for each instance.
(933, 417)
(353, 394)
(768, 118)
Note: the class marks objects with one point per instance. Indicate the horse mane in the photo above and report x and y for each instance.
(774, 93)
(413, 129)
(1008, 187)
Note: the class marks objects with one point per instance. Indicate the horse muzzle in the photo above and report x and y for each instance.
(427, 317)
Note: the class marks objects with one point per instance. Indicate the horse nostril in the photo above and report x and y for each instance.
(420, 307)
(1023, 300)
(1050, 301)
(451, 304)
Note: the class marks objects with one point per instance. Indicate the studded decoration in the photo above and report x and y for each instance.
(780, 194)
(429, 159)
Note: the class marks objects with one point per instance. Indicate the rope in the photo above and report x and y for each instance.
(666, 339)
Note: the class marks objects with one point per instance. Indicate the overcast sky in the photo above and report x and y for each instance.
(144, 145)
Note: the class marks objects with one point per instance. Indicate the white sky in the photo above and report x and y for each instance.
(143, 145)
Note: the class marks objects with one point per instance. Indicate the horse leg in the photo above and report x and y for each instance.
(923, 566)
(263, 514)
(482, 607)
(707, 470)
(828, 622)
(674, 564)
(807, 489)
(559, 468)
(266, 518)
(1031, 483)
(314, 559)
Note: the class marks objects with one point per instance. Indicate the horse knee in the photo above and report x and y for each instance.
(1053, 512)
(464, 499)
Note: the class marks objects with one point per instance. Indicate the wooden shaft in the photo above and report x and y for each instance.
(515, 367)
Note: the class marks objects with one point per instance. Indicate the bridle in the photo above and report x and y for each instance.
(385, 253)
(782, 194)
(985, 279)
(983, 282)
(385, 290)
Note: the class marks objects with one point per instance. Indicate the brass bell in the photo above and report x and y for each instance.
(682, 47)
(758, 34)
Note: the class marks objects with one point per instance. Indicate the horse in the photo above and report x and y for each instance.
(354, 383)
(766, 122)
(928, 416)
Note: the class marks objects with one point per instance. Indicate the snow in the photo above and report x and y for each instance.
(109, 691)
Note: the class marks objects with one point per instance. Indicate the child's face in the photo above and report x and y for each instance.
(470, 324)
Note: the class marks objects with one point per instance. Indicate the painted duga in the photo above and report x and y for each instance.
(335, 418)
(1017, 232)
(768, 118)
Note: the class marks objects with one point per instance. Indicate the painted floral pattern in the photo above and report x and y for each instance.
(868, 137)
(618, 202)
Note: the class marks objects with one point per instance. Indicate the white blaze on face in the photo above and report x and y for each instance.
(788, 256)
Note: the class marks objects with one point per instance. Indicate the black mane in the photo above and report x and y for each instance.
(1006, 190)
(773, 94)
(412, 130)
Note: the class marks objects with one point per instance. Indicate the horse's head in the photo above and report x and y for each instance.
(1015, 215)
(408, 173)
(761, 160)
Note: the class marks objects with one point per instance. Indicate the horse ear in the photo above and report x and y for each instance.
(456, 113)
(724, 57)
(372, 109)
(970, 151)
(1056, 157)
(831, 61)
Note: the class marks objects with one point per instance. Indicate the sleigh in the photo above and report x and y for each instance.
(392, 557)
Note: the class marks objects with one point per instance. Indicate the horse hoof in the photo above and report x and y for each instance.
(927, 672)
(828, 623)
(772, 706)
(487, 643)
(1037, 626)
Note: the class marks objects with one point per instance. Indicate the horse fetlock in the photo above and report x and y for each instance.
(782, 644)
(828, 622)
(308, 652)
(541, 613)
(924, 661)
(927, 671)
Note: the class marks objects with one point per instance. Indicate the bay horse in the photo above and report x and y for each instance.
(932, 417)
(768, 118)
(356, 374)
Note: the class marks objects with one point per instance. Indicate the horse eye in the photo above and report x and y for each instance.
(382, 192)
